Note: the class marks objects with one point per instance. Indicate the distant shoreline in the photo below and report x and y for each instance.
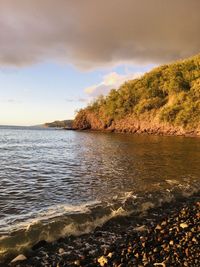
(156, 132)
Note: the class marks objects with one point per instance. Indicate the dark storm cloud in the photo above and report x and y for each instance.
(94, 33)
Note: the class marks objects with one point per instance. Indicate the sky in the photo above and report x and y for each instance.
(57, 56)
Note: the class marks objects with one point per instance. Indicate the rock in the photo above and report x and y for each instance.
(77, 262)
(61, 251)
(130, 249)
(137, 255)
(144, 259)
(164, 223)
(184, 225)
(143, 244)
(141, 228)
(20, 257)
(110, 255)
(102, 261)
(194, 240)
(158, 227)
(187, 252)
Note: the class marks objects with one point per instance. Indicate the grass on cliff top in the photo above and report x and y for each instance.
(170, 92)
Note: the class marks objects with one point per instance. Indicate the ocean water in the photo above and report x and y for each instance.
(55, 183)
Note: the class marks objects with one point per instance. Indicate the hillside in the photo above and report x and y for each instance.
(59, 124)
(164, 101)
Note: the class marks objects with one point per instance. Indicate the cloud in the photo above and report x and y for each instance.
(110, 81)
(10, 101)
(93, 33)
(80, 99)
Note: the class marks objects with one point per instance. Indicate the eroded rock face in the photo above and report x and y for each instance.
(86, 120)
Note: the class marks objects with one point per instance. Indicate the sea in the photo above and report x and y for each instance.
(55, 183)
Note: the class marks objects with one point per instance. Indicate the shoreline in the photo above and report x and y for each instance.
(135, 133)
(163, 236)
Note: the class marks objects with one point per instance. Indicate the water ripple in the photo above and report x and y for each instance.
(43, 168)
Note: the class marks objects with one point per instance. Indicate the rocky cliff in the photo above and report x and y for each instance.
(163, 101)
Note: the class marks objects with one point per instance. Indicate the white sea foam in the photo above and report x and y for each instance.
(15, 244)
(62, 220)
(88, 226)
(30, 219)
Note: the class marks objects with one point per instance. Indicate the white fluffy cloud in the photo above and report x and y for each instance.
(110, 81)
(93, 33)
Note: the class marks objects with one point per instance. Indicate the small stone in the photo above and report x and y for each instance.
(143, 244)
(144, 259)
(61, 251)
(137, 255)
(129, 249)
(166, 248)
(194, 240)
(158, 227)
(102, 260)
(20, 257)
(164, 223)
(183, 225)
(110, 255)
(141, 228)
(187, 252)
(77, 262)
(171, 242)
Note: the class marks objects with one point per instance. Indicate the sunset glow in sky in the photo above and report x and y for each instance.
(56, 56)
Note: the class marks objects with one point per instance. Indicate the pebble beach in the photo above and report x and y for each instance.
(165, 236)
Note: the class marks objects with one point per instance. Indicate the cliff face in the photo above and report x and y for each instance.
(85, 120)
(132, 124)
(164, 101)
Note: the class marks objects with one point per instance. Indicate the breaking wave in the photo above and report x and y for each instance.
(65, 220)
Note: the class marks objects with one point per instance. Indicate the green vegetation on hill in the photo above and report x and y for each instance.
(171, 93)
